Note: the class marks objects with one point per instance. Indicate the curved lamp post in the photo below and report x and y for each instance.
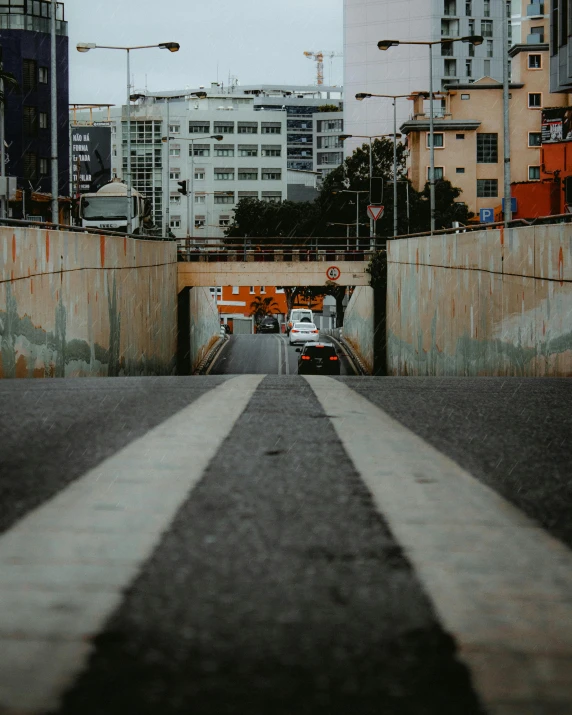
(386, 45)
(86, 47)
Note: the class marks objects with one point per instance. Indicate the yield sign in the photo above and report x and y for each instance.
(375, 212)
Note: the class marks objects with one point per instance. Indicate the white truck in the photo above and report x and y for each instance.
(107, 209)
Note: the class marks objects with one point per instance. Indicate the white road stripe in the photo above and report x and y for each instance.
(279, 354)
(285, 342)
(500, 584)
(64, 566)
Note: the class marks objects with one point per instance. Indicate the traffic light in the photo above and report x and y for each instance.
(182, 187)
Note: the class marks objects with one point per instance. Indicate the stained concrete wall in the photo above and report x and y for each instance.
(205, 324)
(489, 303)
(73, 304)
(358, 328)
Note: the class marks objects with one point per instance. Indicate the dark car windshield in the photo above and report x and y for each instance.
(323, 351)
(268, 320)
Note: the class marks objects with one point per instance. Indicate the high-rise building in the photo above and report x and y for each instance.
(406, 68)
(560, 43)
(26, 54)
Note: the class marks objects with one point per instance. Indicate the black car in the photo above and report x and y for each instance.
(318, 359)
(268, 325)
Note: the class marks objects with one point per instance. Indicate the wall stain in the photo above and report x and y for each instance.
(113, 366)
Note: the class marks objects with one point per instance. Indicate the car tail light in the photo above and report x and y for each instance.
(334, 357)
(315, 331)
(305, 357)
(294, 331)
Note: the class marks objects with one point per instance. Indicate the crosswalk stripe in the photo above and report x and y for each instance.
(64, 566)
(500, 584)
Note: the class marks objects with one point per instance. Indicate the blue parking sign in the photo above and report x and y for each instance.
(487, 215)
(512, 204)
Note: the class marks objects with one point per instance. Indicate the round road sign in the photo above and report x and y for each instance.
(333, 273)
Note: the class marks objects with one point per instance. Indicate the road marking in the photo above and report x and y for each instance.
(286, 356)
(279, 354)
(64, 567)
(500, 584)
(216, 357)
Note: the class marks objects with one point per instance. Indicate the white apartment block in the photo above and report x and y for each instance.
(404, 69)
(249, 160)
(328, 147)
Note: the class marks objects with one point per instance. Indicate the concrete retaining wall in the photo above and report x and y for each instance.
(73, 304)
(205, 324)
(488, 303)
(358, 328)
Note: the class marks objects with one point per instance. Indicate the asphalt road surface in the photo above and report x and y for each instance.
(274, 544)
(265, 355)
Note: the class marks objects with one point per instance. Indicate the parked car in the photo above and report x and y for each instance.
(301, 332)
(298, 315)
(318, 359)
(269, 324)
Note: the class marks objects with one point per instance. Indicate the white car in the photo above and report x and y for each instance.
(302, 332)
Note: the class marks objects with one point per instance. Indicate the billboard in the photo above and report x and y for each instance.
(556, 125)
(90, 158)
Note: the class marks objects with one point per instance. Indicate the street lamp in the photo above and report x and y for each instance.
(385, 45)
(86, 47)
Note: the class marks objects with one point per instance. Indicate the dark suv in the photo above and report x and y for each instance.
(268, 325)
(318, 359)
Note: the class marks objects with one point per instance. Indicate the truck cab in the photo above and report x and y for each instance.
(107, 209)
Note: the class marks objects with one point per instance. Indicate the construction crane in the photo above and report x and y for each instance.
(319, 57)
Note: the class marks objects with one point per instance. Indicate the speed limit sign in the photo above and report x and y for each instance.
(333, 273)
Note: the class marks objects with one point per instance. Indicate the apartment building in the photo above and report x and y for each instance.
(560, 44)
(404, 69)
(469, 128)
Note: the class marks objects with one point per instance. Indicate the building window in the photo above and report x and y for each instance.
(450, 68)
(263, 289)
(439, 139)
(248, 174)
(450, 7)
(271, 174)
(44, 170)
(43, 75)
(465, 97)
(487, 28)
(272, 197)
(534, 138)
(487, 148)
(533, 173)
(200, 221)
(486, 8)
(174, 128)
(29, 75)
(224, 151)
(447, 49)
(43, 118)
(487, 188)
(31, 166)
(200, 198)
(534, 100)
(224, 128)
(174, 151)
(199, 150)
(460, 170)
(272, 151)
(224, 198)
(199, 174)
(175, 200)
(176, 174)
(247, 128)
(30, 121)
(175, 223)
(235, 290)
(459, 136)
(490, 48)
(487, 68)
(224, 174)
(534, 62)
(471, 27)
(247, 150)
(224, 221)
(270, 128)
(469, 68)
(468, 7)
(199, 127)
(439, 173)
(252, 290)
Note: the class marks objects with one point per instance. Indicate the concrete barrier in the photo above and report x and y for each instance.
(73, 304)
(205, 324)
(358, 328)
(489, 303)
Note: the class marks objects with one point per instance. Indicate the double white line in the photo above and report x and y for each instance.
(283, 362)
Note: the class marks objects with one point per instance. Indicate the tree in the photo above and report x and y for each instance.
(261, 307)
(329, 108)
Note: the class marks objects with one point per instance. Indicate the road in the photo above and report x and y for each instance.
(265, 355)
(270, 544)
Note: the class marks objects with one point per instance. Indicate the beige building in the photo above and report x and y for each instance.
(469, 124)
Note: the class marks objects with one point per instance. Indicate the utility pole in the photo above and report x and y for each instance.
(506, 117)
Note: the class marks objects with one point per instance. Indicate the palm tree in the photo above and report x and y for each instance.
(261, 307)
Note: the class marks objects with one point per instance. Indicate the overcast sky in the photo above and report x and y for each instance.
(257, 41)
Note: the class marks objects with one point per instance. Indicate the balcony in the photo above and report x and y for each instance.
(535, 9)
(535, 38)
